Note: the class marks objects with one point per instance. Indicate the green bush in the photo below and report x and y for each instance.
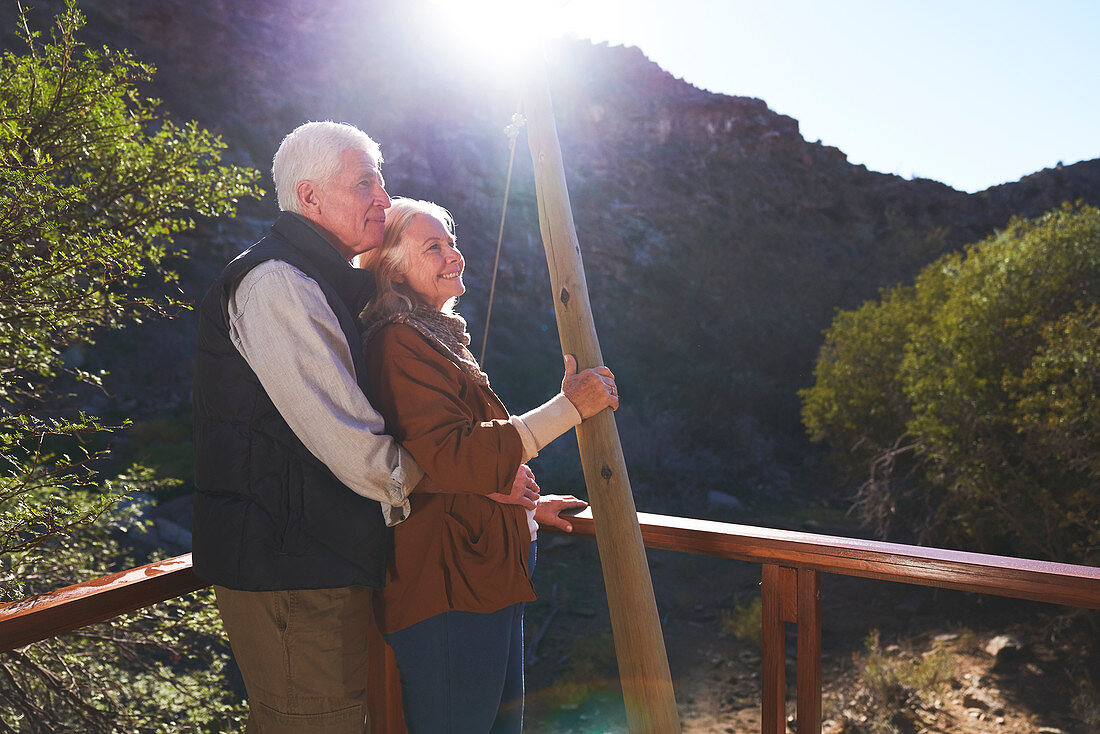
(94, 185)
(894, 679)
(743, 622)
(160, 669)
(966, 402)
(894, 685)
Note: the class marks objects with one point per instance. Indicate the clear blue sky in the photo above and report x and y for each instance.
(972, 93)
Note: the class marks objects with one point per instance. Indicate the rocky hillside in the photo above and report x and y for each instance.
(718, 242)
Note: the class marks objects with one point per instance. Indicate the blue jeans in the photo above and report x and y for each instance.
(462, 672)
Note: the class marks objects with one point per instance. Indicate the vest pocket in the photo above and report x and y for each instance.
(290, 541)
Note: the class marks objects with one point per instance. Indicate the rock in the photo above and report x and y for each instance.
(724, 500)
(976, 698)
(1006, 651)
(170, 536)
(177, 511)
(904, 722)
(167, 526)
(908, 607)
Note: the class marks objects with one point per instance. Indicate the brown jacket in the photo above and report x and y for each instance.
(459, 550)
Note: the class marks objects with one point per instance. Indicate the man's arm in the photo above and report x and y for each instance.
(282, 325)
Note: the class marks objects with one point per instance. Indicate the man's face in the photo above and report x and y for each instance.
(351, 208)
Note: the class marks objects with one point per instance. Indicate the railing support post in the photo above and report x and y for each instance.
(809, 651)
(773, 684)
(790, 595)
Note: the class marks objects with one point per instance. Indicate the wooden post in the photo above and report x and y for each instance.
(808, 697)
(639, 644)
(773, 685)
(790, 595)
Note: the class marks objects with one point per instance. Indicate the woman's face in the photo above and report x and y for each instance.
(435, 264)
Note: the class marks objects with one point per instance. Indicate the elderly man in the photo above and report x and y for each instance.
(296, 480)
(296, 483)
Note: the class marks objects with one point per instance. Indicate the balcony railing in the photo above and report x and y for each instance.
(792, 564)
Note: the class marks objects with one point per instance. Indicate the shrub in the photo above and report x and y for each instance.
(893, 686)
(965, 401)
(743, 622)
(94, 185)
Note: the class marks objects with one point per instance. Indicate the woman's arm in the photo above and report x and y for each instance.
(582, 395)
(422, 394)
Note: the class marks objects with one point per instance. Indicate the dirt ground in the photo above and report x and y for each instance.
(1041, 684)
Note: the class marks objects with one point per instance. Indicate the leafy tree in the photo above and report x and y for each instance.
(94, 185)
(967, 401)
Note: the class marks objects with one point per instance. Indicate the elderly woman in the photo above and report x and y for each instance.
(453, 601)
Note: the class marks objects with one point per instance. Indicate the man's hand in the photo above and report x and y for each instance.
(525, 492)
(590, 391)
(548, 511)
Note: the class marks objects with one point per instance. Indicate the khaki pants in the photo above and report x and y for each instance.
(303, 656)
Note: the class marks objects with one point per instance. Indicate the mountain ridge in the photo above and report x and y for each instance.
(718, 242)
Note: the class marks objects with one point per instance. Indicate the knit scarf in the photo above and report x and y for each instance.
(446, 332)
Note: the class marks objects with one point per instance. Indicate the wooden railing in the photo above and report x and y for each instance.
(792, 564)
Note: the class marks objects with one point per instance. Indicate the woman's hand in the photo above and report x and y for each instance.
(525, 491)
(549, 509)
(590, 391)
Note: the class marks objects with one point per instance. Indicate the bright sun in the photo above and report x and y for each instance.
(500, 32)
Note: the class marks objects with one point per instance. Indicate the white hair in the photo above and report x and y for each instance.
(312, 153)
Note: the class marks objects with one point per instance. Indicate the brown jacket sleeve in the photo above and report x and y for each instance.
(440, 415)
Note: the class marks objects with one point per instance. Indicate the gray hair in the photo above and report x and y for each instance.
(312, 153)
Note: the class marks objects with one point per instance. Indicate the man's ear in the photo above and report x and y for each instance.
(309, 197)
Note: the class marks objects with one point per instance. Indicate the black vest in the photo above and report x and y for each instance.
(268, 514)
